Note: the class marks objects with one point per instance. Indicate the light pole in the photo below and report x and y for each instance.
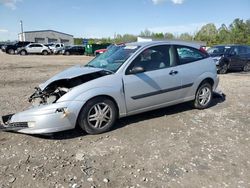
(21, 24)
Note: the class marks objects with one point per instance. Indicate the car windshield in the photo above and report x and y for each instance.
(218, 50)
(113, 58)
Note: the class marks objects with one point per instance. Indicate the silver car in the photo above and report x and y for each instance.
(136, 78)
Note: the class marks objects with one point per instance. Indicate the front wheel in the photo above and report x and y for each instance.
(98, 115)
(246, 67)
(23, 52)
(223, 69)
(203, 96)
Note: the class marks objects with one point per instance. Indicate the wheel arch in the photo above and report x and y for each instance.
(209, 80)
(97, 96)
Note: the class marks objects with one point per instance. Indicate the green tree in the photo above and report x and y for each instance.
(239, 32)
(146, 33)
(223, 36)
(186, 36)
(208, 33)
(169, 36)
(78, 41)
(158, 35)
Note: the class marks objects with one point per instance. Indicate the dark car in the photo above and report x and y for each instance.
(230, 57)
(74, 50)
(11, 49)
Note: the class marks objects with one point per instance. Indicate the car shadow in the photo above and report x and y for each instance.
(179, 108)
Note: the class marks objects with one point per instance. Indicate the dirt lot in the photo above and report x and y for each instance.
(171, 147)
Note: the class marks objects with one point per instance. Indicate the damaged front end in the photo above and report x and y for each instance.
(46, 114)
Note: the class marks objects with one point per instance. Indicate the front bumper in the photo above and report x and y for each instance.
(44, 119)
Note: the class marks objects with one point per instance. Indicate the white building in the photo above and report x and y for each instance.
(46, 36)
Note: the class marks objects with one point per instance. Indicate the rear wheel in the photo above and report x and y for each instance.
(11, 51)
(45, 52)
(98, 115)
(203, 96)
(67, 53)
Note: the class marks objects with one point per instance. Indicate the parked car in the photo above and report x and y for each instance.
(138, 77)
(35, 48)
(113, 46)
(57, 48)
(100, 51)
(231, 57)
(74, 50)
(4, 45)
(13, 48)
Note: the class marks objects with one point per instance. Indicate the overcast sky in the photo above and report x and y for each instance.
(104, 18)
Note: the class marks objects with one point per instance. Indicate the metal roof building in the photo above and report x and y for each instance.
(46, 36)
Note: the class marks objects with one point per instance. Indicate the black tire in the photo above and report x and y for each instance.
(246, 67)
(23, 52)
(103, 120)
(45, 52)
(204, 89)
(11, 51)
(223, 69)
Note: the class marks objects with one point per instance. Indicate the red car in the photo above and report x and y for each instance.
(100, 51)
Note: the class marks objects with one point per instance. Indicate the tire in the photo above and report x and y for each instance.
(246, 67)
(45, 52)
(98, 115)
(11, 51)
(203, 96)
(223, 69)
(67, 53)
(23, 52)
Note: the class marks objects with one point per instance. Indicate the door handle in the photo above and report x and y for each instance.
(173, 72)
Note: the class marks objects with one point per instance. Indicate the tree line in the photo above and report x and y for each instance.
(238, 32)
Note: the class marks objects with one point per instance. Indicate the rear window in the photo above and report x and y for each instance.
(188, 54)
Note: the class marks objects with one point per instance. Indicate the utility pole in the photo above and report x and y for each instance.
(21, 24)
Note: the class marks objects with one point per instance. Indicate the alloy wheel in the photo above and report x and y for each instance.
(99, 115)
(204, 96)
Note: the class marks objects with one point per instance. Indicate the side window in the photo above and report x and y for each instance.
(58, 45)
(39, 45)
(242, 50)
(235, 51)
(188, 54)
(32, 45)
(154, 58)
(248, 50)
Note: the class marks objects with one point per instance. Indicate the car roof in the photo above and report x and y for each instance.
(229, 45)
(175, 42)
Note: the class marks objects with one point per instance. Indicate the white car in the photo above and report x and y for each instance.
(35, 48)
(136, 78)
(57, 48)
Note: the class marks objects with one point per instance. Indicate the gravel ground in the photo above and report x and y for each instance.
(172, 147)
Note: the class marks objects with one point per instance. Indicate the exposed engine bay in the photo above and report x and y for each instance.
(58, 88)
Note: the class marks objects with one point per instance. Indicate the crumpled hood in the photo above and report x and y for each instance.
(72, 72)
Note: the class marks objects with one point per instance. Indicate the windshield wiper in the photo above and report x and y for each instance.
(89, 66)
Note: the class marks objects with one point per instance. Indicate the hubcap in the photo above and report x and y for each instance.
(204, 96)
(100, 115)
(224, 68)
(246, 67)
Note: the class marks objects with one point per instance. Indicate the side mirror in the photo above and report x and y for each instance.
(136, 70)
